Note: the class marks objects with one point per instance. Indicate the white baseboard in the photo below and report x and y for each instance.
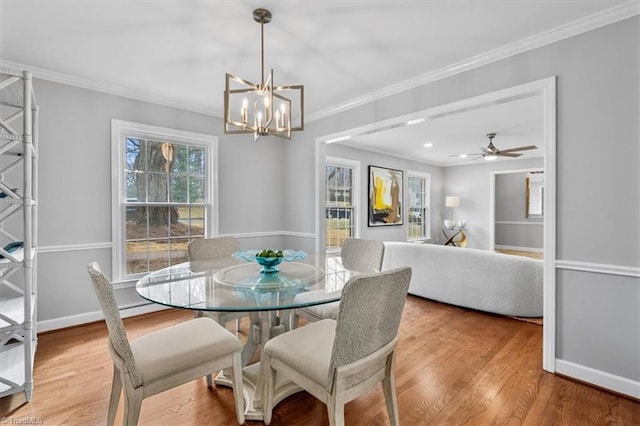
(599, 378)
(72, 320)
(518, 248)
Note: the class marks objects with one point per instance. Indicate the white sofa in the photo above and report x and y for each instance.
(477, 279)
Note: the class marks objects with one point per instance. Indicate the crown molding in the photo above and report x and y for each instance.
(597, 20)
(110, 89)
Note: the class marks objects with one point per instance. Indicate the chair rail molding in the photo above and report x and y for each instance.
(507, 222)
(599, 268)
(60, 248)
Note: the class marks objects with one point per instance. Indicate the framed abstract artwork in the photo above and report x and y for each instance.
(385, 196)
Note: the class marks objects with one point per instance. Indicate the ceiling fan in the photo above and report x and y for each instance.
(492, 153)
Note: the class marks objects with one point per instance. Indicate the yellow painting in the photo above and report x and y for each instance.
(385, 196)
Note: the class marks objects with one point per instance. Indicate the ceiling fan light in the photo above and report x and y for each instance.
(490, 157)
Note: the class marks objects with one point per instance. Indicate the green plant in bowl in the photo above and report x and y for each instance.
(269, 259)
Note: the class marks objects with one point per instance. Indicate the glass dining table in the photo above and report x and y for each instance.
(268, 298)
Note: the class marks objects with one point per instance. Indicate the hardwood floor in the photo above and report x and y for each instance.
(531, 254)
(454, 366)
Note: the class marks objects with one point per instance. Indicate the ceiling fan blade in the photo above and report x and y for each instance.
(520, 148)
(508, 154)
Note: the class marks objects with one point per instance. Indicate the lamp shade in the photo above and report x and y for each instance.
(452, 201)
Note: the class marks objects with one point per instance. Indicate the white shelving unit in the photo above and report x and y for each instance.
(18, 218)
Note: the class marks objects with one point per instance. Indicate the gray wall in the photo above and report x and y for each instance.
(597, 103)
(512, 226)
(366, 158)
(472, 184)
(75, 189)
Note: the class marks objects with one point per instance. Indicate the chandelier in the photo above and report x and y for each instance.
(262, 109)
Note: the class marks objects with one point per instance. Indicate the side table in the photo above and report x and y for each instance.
(455, 237)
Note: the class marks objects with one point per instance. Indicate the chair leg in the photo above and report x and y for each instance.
(116, 388)
(389, 389)
(270, 383)
(238, 394)
(132, 405)
(335, 410)
(293, 320)
(209, 381)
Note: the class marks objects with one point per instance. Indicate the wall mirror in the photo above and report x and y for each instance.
(534, 194)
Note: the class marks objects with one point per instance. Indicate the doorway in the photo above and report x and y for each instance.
(545, 88)
(516, 217)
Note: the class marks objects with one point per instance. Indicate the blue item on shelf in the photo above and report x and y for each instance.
(12, 247)
(4, 194)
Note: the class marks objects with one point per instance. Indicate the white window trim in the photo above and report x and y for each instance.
(427, 178)
(120, 129)
(355, 196)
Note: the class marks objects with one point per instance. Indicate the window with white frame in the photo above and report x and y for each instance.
(162, 195)
(419, 199)
(341, 189)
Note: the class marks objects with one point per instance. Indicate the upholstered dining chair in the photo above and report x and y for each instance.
(357, 255)
(337, 361)
(163, 359)
(218, 248)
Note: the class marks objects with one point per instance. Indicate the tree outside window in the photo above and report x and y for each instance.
(163, 198)
(340, 207)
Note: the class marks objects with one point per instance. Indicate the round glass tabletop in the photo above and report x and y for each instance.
(237, 285)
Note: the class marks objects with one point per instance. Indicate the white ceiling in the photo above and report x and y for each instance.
(516, 123)
(177, 52)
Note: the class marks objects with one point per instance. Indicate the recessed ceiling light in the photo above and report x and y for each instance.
(416, 121)
(339, 139)
(463, 155)
(428, 145)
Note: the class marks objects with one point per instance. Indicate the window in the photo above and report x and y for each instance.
(419, 198)
(161, 193)
(341, 189)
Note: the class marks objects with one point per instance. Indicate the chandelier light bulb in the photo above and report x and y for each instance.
(244, 111)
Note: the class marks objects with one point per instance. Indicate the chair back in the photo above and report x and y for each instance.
(212, 248)
(117, 334)
(369, 316)
(362, 255)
